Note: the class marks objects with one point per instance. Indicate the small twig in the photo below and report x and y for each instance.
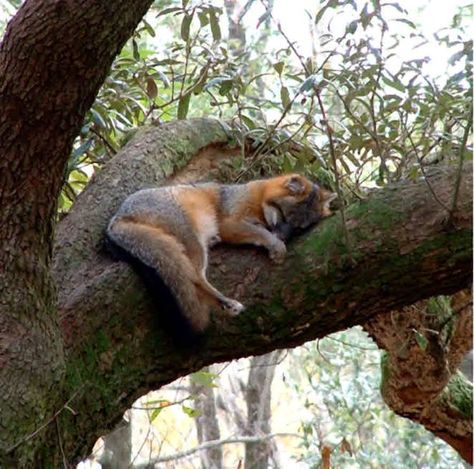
(348, 344)
(214, 443)
(332, 151)
(44, 425)
(109, 146)
(145, 438)
(258, 154)
(321, 354)
(65, 464)
(462, 151)
(422, 168)
(378, 146)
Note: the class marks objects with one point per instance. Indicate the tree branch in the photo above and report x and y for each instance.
(425, 344)
(214, 443)
(401, 253)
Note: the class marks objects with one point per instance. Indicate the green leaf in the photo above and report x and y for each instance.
(217, 81)
(97, 119)
(285, 97)
(248, 122)
(155, 413)
(352, 26)
(204, 378)
(225, 87)
(185, 27)
(82, 148)
(191, 412)
(455, 57)
(149, 28)
(398, 85)
(215, 28)
(320, 14)
(168, 10)
(183, 106)
(264, 17)
(279, 67)
(365, 16)
(421, 340)
(151, 88)
(203, 18)
(308, 83)
(136, 52)
(408, 22)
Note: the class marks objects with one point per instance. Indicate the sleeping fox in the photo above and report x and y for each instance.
(165, 234)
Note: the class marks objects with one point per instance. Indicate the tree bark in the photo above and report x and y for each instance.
(53, 58)
(259, 399)
(207, 423)
(402, 251)
(425, 345)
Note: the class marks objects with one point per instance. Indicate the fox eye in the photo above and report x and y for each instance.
(295, 185)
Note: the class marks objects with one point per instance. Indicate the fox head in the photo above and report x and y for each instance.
(303, 204)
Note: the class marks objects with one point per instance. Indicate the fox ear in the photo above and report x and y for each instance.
(295, 185)
(327, 198)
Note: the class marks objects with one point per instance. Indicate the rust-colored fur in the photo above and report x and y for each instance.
(169, 230)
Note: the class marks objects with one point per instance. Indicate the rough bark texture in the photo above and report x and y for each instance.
(258, 397)
(207, 423)
(53, 58)
(425, 345)
(402, 251)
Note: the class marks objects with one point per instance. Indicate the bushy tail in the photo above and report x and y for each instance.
(167, 272)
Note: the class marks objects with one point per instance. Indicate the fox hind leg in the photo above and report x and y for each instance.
(228, 305)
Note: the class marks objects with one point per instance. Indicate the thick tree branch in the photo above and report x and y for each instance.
(425, 344)
(402, 252)
(54, 56)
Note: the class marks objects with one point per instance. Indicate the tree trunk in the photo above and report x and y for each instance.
(259, 412)
(117, 452)
(53, 58)
(207, 424)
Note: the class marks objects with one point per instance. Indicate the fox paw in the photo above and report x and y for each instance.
(277, 252)
(232, 307)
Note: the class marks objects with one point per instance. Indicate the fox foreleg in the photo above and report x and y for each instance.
(249, 232)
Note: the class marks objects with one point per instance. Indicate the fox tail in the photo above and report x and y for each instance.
(167, 273)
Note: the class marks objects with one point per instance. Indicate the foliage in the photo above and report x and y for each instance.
(338, 379)
(357, 111)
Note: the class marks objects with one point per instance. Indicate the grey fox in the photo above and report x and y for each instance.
(165, 234)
